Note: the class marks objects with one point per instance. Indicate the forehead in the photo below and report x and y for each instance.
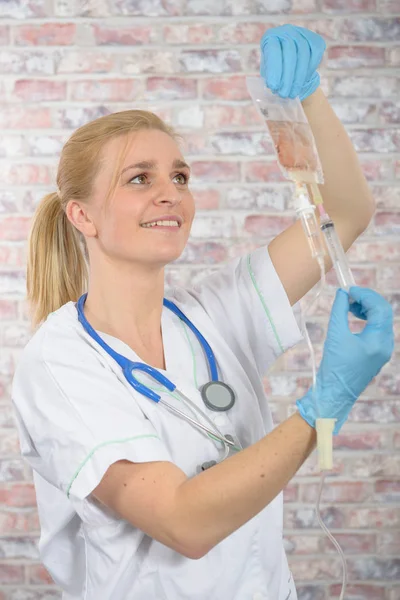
(150, 145)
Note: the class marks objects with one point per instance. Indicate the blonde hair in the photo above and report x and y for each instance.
(57, 260)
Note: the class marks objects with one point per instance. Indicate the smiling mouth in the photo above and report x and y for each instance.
(164, 224)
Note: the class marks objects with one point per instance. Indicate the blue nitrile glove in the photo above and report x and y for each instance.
(290, 56)
(350, 360)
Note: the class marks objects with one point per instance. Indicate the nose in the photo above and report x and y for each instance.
(167, 193)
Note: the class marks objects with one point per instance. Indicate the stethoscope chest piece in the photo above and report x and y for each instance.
(218, 396)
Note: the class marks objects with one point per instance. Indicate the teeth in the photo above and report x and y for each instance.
(164, 223)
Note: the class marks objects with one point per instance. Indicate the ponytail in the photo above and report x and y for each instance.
(56, 269)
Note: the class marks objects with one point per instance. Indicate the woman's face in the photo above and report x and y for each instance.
(152, 186)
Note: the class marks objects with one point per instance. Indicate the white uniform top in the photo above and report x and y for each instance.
(77, 415)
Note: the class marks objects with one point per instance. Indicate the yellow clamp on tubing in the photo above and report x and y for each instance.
(324, 429)
(316, 194)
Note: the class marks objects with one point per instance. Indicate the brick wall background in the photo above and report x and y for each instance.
(64, 62)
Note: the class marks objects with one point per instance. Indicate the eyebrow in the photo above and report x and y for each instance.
(150, 164)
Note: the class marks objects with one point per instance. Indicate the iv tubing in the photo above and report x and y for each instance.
(314, 378)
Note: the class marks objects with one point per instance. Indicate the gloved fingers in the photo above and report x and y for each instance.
(339, 314)
(357, 310)
(290, 54)
(303, 60)
(376, 309)
(317, 47)
(273, 63)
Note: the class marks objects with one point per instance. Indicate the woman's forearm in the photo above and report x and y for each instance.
(215, 503)
(346, 194)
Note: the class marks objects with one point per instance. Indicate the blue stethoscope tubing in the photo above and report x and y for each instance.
(128, 366)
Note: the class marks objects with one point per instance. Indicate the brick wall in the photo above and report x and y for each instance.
(64, 62)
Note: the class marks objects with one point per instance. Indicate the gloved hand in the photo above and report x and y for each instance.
(290, 56)
(350, 361)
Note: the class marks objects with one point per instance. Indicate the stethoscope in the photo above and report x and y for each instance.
(216, 395)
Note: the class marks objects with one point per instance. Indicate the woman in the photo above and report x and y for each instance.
(135, 501)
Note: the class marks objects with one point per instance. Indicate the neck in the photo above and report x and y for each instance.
(126, 303)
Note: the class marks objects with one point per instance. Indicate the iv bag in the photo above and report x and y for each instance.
(290, 132)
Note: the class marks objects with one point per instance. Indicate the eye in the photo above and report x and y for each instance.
(142, 178)
(183, 179)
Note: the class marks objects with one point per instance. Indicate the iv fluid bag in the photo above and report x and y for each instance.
(290, 132)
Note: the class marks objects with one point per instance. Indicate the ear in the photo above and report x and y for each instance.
(77, 214)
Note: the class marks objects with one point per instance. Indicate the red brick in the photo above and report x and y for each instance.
(389, 383)
(4, 35)
(203, 253)
(8, 308)
(227, 88)
(11, 574)
(210, 61)
(144, 8)
(374, 465)
(375, 170)
(302, 544)
(261, 171)
(221, 225)
(328, 28)
(389, 112)
(15, 117)
(387, 223)
(25, 9)
(372, 518)
(18, 494)
(257, 198)
(393, 55)
(242, 33)
(188, 34)
(223, 7)
(25, 174)
(375, 251)
(370, 29)
(266, 226)
(215, 171)
(14, 522)
(37, 574)
(315, 570)
(206, 199)
(351, 543)
(9, 440)
(389, 277)
(356, 86)
(388, 543)
(47, 34)
(387, 490)
(376, 140)
(291, 492)
(364, 440)
(354, 591)
(75, 61)
(125, 36)
(171, 88)
(336, 492)
(375, 568)
(12, 255)
(389, 6)
(40, 90)
(102, 90)
(219, 116)
(356, 111)
(354, 57)
(348, 6)
(141, 62)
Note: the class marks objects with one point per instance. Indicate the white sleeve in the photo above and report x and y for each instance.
(248, 304)
(76, 417)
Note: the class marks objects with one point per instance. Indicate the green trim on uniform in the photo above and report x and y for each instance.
(136, 437)
(261, 296)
